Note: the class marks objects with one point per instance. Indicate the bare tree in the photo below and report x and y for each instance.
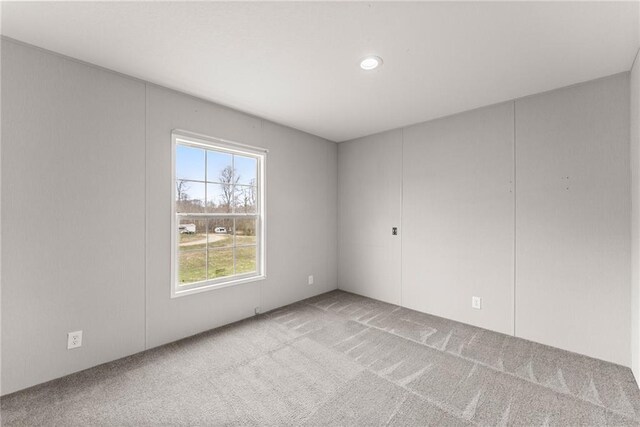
(248, 202)
(182, 197)
(252, 192)
(184, 203)
(228, 180)
(182, 187)
(248, 197)
(245, 199)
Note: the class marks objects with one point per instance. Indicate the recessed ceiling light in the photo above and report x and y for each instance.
(370, 63)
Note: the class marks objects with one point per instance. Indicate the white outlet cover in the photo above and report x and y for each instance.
(74, 340)
(476, 302)
(311, 280)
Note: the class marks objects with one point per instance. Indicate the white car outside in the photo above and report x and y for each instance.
(187, 228)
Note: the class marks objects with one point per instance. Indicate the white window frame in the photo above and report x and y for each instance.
(206, 142)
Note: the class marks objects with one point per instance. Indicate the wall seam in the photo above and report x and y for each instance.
(515, 195)
(328, 252)
(0, 209)
(146, 207)
(326, 210)
(632, 201)
(338, 218)
(401, 211)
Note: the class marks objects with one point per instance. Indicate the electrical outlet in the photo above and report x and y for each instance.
(310, 280)
(476, 302)
(74, 340)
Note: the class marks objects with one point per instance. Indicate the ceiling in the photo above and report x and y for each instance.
(297, 63)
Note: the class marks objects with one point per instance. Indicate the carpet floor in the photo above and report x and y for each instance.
(339, 359)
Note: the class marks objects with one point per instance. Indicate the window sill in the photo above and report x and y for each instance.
(205, 288)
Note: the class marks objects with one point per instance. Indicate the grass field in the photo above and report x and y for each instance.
(193, 258)
(225, 240)
(188, 238)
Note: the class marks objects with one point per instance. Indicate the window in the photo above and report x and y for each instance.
(218, 213)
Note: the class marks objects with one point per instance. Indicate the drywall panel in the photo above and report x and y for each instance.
(86, 210)
(572, 219)
(457, 217)
(72, 215)
(635, 218)
(370, 194)
(169, 319)
(0, 204)
(301, 216)
(332, 213)
(301, 212)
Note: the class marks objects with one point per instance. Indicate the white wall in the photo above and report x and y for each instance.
(571, 251)
(0, 199)
(370, 195)
(301, 216)
(72, 166)
(86, 160)
(94, 170)
(458, 217)
(635, 218)
(572, 219)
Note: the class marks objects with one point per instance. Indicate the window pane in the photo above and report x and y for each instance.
(219, 167)
(192, 234)
(220, 263)
(246, 170)
(189, 197)
(245, 199)
(245, 259)
(189, 163)
(219, 198)
(246, 231)
(217, 192)
(192, 266)
(220, 232)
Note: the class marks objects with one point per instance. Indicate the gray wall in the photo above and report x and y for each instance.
(94, 172)
(549, 255)
(572, 219)
(301, 216)
(457, 238)
(635, 218)
(86, 191)
(370, 194)
(72, 215)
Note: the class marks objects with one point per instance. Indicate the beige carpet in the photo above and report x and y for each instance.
(339, 359)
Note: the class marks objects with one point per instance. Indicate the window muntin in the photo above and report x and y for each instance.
(218, 233)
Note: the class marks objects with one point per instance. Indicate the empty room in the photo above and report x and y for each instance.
(320, 213)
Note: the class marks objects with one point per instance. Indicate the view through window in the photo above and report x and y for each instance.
(218, 199)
